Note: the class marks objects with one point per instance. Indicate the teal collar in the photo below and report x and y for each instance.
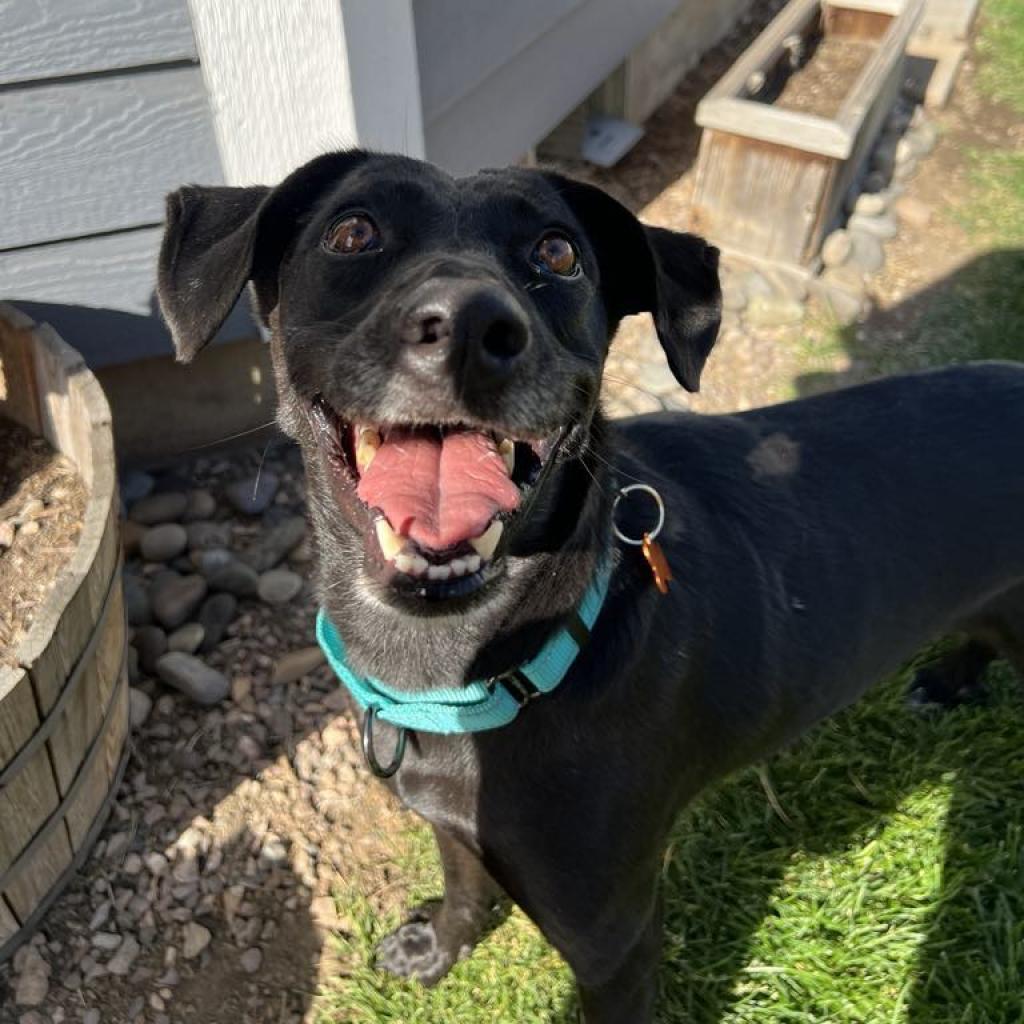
(481, 704)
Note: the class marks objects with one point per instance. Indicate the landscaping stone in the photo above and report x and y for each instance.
(121, 962)
(193, 678)
(174, 600)
(163, 507)
(773, 311)
(139, 706)
(234, 577)
(295, 664)
(33, 983)
(137, 606)
(135, 485)
(201, 505)
(271, 546)
(845, 306)
(868, 254)
(251, 960)
(151, 643)
(164, 542)
(871, 204)
(195, 939)
(278, 586)
(215, 615)
(881, 227)
(186, 638)
(837, 248)
(253, 495)
(206, 534)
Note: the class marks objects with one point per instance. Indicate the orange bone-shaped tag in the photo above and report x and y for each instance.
(658, 562)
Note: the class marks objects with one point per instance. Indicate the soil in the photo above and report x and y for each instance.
(42, 504)
(825, 80)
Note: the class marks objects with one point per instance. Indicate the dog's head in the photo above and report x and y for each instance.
(438, 345)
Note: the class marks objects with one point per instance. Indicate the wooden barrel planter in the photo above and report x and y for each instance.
(64, 704)
(771, 180)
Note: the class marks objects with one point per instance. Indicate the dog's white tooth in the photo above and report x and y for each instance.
(367, 443)
(419, 565)
(390, 543)
(439, 572)
(472, 564)
(507, 450)
(458, 566)
(485, 544)
(404, 562)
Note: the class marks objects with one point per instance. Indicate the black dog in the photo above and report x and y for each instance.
(438, 347)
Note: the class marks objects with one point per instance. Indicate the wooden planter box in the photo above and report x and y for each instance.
(771, 181)
(64, 707)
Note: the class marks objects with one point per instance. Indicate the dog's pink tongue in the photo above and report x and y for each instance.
(438, 490)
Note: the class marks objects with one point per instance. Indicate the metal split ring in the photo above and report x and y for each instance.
(370, 753)
(650, 534)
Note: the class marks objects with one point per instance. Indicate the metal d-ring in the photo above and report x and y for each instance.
(371, 755)
(650, 534)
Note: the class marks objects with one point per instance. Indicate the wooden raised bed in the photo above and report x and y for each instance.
(771, 181)
(64, 706)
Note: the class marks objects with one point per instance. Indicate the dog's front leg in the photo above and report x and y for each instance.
(625, 992)
(435, 937)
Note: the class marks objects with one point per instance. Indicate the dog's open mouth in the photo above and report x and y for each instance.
(437, 498)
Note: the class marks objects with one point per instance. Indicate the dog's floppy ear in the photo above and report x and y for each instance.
(670, 274)
(206, 258)
(218, 238)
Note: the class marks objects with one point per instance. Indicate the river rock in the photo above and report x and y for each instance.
(201, 504)
(137, 605)
(253, 495)
(215, 615)
(837, 248)
(193, 678)
(163, 507)
(278, 586)
(139, 706)
(295, 664)
(207, 534)
(272, 545)
(186, 638)
(151, 643)
(164, 542)
(174, 600)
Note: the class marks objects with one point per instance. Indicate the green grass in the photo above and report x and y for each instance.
(893, 891)
(1001, 47)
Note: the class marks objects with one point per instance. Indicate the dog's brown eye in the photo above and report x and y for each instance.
(556, 253)
(353, 234)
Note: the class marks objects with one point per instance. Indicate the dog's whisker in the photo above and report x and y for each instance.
(259, 471)
(232, 437)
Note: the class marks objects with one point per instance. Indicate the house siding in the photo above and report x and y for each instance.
(104, 112)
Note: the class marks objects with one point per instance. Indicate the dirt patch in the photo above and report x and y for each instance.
(820, 86)
(42, 504)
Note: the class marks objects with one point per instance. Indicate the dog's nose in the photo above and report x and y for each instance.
(474, 329)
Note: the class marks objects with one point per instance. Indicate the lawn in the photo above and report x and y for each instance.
(874, 873)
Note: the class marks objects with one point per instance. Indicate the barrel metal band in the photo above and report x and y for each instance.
(43, 832)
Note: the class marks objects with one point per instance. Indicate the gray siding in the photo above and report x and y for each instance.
(527, 65)
(104, 111)
(50, 38)
(78, 158)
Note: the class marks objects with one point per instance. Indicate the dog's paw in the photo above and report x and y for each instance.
(934, 689)
(412, 951)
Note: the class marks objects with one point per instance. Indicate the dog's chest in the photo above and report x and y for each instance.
(439, 780)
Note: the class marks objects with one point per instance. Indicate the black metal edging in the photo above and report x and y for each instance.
(49, 723)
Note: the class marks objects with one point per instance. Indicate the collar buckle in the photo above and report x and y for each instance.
(516, 685)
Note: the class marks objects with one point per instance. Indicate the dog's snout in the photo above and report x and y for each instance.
(471, 328)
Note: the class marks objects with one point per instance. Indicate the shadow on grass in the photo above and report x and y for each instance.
(975, 313)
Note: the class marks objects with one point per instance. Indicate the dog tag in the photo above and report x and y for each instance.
(658, 562)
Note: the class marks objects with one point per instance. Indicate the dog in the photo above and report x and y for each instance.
(438, 346)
